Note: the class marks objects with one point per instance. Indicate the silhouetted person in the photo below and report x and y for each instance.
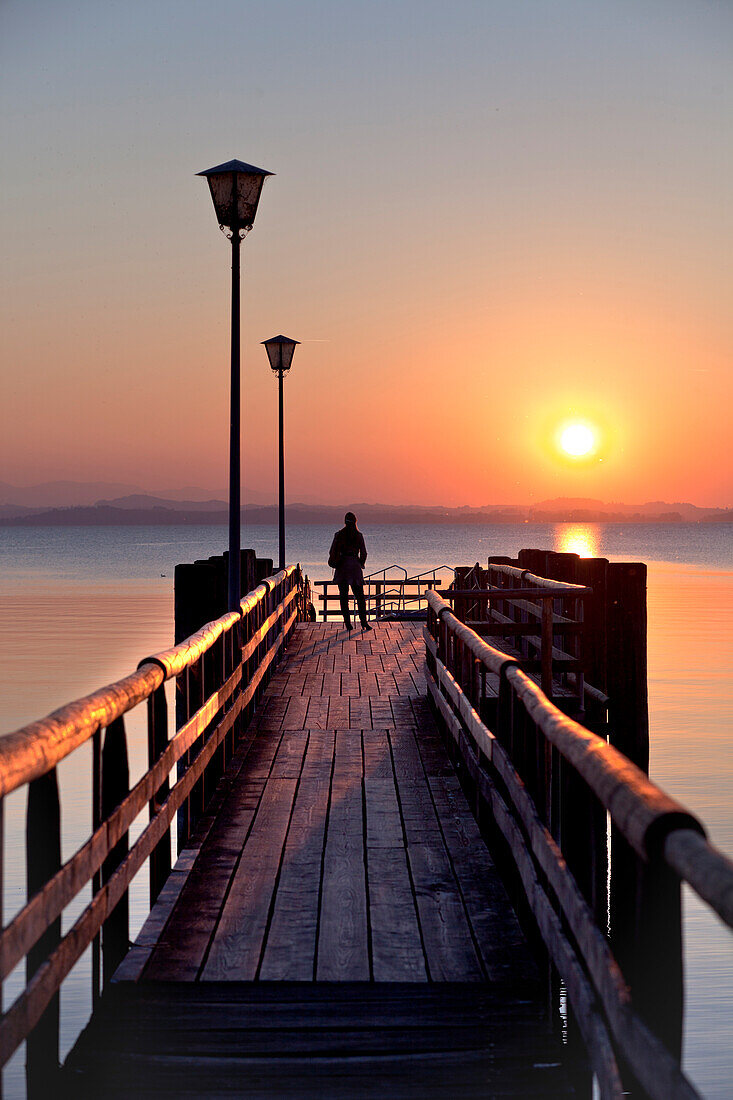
(347, 557)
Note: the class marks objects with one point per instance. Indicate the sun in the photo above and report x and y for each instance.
(577, 439)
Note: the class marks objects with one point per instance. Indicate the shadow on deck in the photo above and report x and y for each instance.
(337, 927)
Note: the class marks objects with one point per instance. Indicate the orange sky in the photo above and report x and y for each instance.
(475, 231)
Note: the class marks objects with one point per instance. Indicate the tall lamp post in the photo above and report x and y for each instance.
(235, 188)
(280, 353)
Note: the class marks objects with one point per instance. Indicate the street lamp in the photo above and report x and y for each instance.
(235, 189)
(280, 353)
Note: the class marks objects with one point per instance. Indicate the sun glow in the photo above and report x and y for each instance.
(577, 439)
(578, 538)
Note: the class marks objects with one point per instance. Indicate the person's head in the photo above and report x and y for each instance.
(350, 519)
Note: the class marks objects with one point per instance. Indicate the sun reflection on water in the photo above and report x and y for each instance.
(577, 538)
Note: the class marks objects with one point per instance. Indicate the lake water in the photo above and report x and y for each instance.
(80, 607)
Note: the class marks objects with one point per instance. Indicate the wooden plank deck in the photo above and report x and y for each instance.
(339, 919)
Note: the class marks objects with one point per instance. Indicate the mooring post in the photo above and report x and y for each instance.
(628, 714)
(592, 573)
(534, 560)
(561, 566)
(460, 604)
(197, 597)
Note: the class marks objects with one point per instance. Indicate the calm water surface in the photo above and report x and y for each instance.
(80, 607)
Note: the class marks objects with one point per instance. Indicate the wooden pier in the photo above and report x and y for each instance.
(342, 853)
(373, 830)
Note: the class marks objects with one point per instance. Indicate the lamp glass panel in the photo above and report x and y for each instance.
(222, 192)
(274, 355)
(287, 354)
(236, 195)
(249, 187)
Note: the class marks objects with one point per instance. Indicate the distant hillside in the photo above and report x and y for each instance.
(139, 509)
(575, 507)
(138, 501)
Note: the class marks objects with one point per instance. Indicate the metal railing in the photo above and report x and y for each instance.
(386, 596)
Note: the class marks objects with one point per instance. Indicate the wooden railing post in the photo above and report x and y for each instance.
(97, 877)
(160, 857)
(182, 716)
(196, 696)
(576, 780)
(657, 986)
(212, 681)
(43, 854)
(259, 615)
(546, 648)
(646, 935)
(2, 900)
(115, 785)
(232, 659)
(246, 628)
(583, 840)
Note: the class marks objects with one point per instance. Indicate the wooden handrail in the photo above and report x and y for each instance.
(219, 669)
(536, 602)
(708, 871)
(641, 810)
(657, 1070)
(525, 575)
(34, 749)
(550, 590)
(544, 779)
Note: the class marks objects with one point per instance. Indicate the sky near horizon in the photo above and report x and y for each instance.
(487, 220)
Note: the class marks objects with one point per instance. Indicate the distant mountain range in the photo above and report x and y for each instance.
(76, 504)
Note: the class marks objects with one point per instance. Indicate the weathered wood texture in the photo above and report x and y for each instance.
(541, 779)
(307, 1041)
(344, 849)
(219, 679)
(339, 928)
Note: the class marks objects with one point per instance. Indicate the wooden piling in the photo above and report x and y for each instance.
(561, 566)
(592, 572)
(195, 597)
(533, 560)
(626, 664)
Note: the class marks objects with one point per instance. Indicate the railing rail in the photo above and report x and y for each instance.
(550, 789)
(547, 634)
(384, 594)
(219, 673)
